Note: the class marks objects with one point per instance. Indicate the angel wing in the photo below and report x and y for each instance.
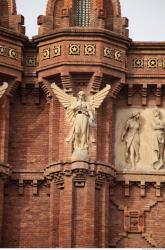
(66, 100)
(97, 99)
(3, 88)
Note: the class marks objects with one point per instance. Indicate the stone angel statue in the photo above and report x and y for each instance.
(80, 115)
(3, 88)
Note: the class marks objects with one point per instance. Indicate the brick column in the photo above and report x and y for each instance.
(89, 213)
(4, 129)
(66, 215)
(1, 208)
(79, 214)
(4, 174)
(54, 215)
(104, 224)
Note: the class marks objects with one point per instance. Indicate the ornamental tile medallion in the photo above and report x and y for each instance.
(118, 55)
(13, 53)
(138, 63)
(90, 49)
(163, 63)
(57, 50)
(2, 50)
(30, 61)
(108, 52)
(74, 49)
(152, 63)
(45, 54)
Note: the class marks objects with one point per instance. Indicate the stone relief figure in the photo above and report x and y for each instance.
(132, 139)
(80, 114)
(159, 139)
(3, 88)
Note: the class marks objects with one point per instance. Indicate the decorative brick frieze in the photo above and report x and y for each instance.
(113, 54)
(133, 221)
(79, 171)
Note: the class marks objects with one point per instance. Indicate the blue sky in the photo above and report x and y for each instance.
(146, 17)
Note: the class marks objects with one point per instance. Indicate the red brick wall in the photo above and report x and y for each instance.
(26, 217)
(154, 217)
(29, 133)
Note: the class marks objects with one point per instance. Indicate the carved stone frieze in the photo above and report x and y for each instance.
(131, 137)
(139, 133)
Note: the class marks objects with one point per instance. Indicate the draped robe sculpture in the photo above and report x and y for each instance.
(132, 139)
(159, 139)
(80, 114)
(3, 88)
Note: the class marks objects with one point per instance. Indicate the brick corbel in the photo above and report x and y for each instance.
(45, 86)
(158, 94)
(130, 93)
(67, 82)
(116, 88)
(79, 171)
(13, 86)
(144, 94)
(95, 82)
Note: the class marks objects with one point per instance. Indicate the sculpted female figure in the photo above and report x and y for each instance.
(80, 114)
(132, 139)
(159, 139)
(84, 119)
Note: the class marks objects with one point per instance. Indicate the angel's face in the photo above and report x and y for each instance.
(81, 96)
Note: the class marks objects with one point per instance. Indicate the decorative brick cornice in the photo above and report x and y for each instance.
(79, 172)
